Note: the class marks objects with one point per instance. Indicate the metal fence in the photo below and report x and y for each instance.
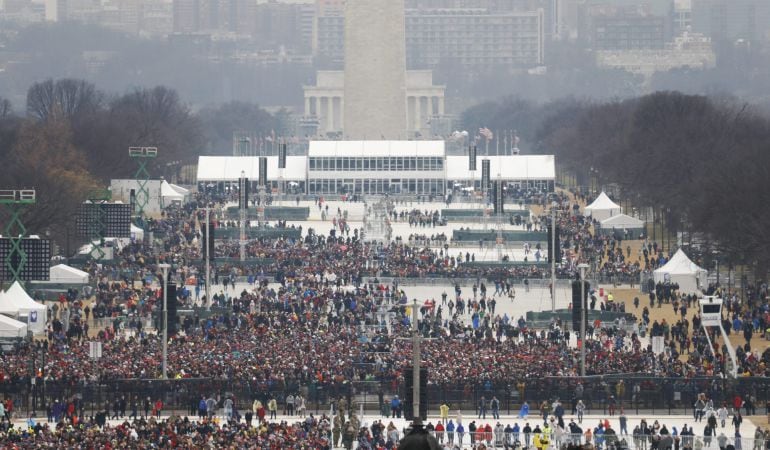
(499, 438)
(634, 394)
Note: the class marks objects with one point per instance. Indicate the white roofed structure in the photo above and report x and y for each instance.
(64, 274)
(419, 168)
(11, 328)
(229, 168)
(621, 221)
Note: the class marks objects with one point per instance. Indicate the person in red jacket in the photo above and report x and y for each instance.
(488, 435)
(440, 432)
(158, 408)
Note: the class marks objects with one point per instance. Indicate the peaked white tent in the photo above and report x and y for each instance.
(681, 270)
(10, 328)
(15, 302)
(603, 208)
(170, 194)
(64, 274)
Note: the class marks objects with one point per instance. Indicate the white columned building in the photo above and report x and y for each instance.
(325, 102)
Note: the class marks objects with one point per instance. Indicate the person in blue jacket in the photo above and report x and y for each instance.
(524, 411)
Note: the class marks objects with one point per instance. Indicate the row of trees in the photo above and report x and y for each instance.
(74, 138)
(702, 161)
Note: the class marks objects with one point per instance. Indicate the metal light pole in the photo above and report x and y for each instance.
(415, 363)
(208, 261)
(553, 257)
(582, 267)
(242, 214)
(164, 267)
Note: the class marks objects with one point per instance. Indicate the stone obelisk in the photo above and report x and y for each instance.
(375, 70)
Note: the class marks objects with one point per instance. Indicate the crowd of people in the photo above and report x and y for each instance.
(328, 320)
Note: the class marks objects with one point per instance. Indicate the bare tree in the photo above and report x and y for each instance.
(68, 99)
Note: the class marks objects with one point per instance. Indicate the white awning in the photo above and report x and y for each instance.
(508, 167)
(375, 148)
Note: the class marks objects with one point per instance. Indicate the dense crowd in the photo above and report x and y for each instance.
(311, 329)
(329, 321)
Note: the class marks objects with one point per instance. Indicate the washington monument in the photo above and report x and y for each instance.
(375, 70)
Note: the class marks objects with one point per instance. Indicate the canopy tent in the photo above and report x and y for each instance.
(10, 328)
(15, 302)
(64, 274)
(682, 271)
(172, 194)
(603, 208)
(622, 221)
(622, 226)
(137, 233)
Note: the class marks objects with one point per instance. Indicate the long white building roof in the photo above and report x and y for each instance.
(228, 168)
(375, 148)
(508, 167)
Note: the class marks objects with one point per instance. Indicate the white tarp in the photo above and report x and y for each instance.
(15, 302)
(691, 278)
(11, 328)
(62, 273)
(622, 222)
(603, 208)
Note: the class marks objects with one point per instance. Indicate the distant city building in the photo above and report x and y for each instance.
(682, 16)
(628, 31)
(470, 37)
(732, 19)
(474, 38)
(688, 50)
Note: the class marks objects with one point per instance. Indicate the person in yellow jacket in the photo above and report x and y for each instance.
(545, 441)
(547, 431)
(272, 407)
(444, 412)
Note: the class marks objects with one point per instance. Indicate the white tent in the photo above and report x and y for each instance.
(65, 274)
(15, 302)
(603, 208)
(622, 222)
(137, 233)
(10, 328)
(682, 271)
(170, 194)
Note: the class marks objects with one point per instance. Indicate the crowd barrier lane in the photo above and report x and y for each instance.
(636, 394)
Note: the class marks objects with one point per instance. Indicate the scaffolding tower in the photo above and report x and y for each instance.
(14, 201)
(142, 156)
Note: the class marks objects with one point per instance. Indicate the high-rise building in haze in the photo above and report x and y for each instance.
(375, 70)
(476, 35)
(732, 20)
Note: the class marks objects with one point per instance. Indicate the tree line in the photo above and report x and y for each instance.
(701, 162)
(72, 138)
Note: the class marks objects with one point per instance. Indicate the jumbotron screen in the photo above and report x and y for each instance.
(37, 265)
